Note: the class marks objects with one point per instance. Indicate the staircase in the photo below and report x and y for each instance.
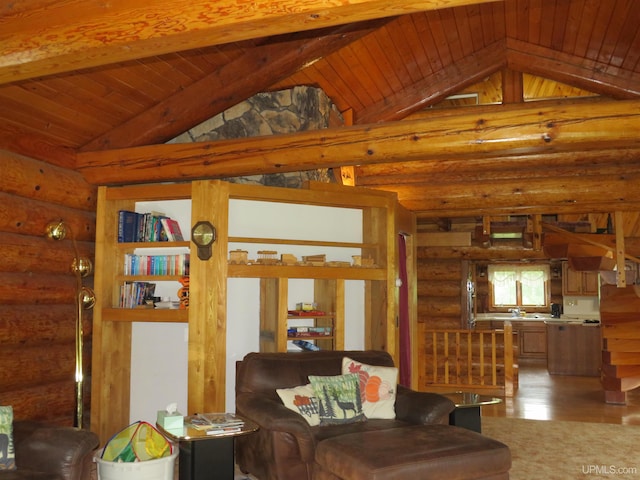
(620, 327)
(619, 307)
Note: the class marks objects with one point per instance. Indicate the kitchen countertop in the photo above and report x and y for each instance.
(530, 317)
(539, 317)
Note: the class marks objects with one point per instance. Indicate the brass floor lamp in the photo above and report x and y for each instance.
(85, 299)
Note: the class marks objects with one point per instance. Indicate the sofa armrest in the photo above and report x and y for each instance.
(422, 407)
(272, 415)
(65, 451)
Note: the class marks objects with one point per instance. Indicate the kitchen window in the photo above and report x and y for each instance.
(525, 286)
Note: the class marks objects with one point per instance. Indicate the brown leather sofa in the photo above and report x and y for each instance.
(51, 453)
(286, 448)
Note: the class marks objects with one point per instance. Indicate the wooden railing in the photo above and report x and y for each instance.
(481, 361)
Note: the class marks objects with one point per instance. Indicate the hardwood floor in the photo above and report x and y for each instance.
(541, 396)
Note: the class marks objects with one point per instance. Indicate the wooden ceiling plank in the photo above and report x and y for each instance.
(574, 19)
(383, 63)
(598, 33)
(66, 36)
(412, 45)
(252, 73)
(572, 70)
(429, 48)
(442, 83)
(531, 129)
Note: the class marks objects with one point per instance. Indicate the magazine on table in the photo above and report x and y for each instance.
(220, 422)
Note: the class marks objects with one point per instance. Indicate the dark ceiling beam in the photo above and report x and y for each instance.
(436, 87)
(251, 73)
(53, 37)
(467, 133)
(591, 75)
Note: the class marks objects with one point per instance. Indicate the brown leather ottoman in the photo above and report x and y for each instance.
(421, 451)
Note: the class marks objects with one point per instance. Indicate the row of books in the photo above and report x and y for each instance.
(147, 227)
(134, 294)
(156, 264)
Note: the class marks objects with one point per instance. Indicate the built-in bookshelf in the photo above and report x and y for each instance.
(206, 317)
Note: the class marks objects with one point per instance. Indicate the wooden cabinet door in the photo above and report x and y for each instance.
(571, 281)
(590, 283)
(579, 283)
(533, 343)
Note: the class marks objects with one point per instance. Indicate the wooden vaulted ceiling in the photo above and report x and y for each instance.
(100, 88)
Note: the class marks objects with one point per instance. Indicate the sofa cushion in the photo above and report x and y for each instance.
(302, 400)
(378, 387)
(338, 398)
(7, 451)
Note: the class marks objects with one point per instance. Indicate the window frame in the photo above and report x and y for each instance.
(503, 308)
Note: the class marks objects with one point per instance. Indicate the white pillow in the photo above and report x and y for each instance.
(378, 386)
(301, 400)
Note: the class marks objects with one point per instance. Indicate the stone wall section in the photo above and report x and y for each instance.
(271, 113)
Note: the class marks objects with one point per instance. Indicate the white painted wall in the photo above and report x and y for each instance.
(159, 350)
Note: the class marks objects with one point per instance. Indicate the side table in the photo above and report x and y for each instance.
(205, 455)
(467, 411)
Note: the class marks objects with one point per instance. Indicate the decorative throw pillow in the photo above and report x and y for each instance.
(338, 398)
(378, 387)
(302, 400)
(7, 454)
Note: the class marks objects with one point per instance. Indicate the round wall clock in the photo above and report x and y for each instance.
(203, 234)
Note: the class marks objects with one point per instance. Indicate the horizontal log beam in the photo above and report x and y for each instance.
(513, 166)
(30, 217)
(41, 324)
(530, 130)
(39, 180)
(43, 39)
(24, 253)
(536, 195)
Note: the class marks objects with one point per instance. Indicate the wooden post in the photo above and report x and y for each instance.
(621, 279)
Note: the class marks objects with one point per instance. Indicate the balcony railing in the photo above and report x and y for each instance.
(482, 361)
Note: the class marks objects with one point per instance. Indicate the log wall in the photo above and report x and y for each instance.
(37, 298)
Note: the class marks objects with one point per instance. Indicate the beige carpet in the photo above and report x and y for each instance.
(550, 450)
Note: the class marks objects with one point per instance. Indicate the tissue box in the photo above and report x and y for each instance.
(170, 420)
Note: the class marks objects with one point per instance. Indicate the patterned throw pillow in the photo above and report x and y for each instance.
(7, 454)
(338, 398)
(378, 387)
(302, 400)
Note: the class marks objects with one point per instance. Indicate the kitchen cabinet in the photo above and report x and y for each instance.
(532, 339)
(574, 348)
(579, 283)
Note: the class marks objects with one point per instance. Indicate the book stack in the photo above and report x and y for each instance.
(156, 264)
(147, 227)
(216, 423)
(135, 294)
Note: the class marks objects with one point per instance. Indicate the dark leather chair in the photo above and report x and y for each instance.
(51, 453)
(284, 447)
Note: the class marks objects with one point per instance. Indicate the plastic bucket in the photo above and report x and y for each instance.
(159, 469)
